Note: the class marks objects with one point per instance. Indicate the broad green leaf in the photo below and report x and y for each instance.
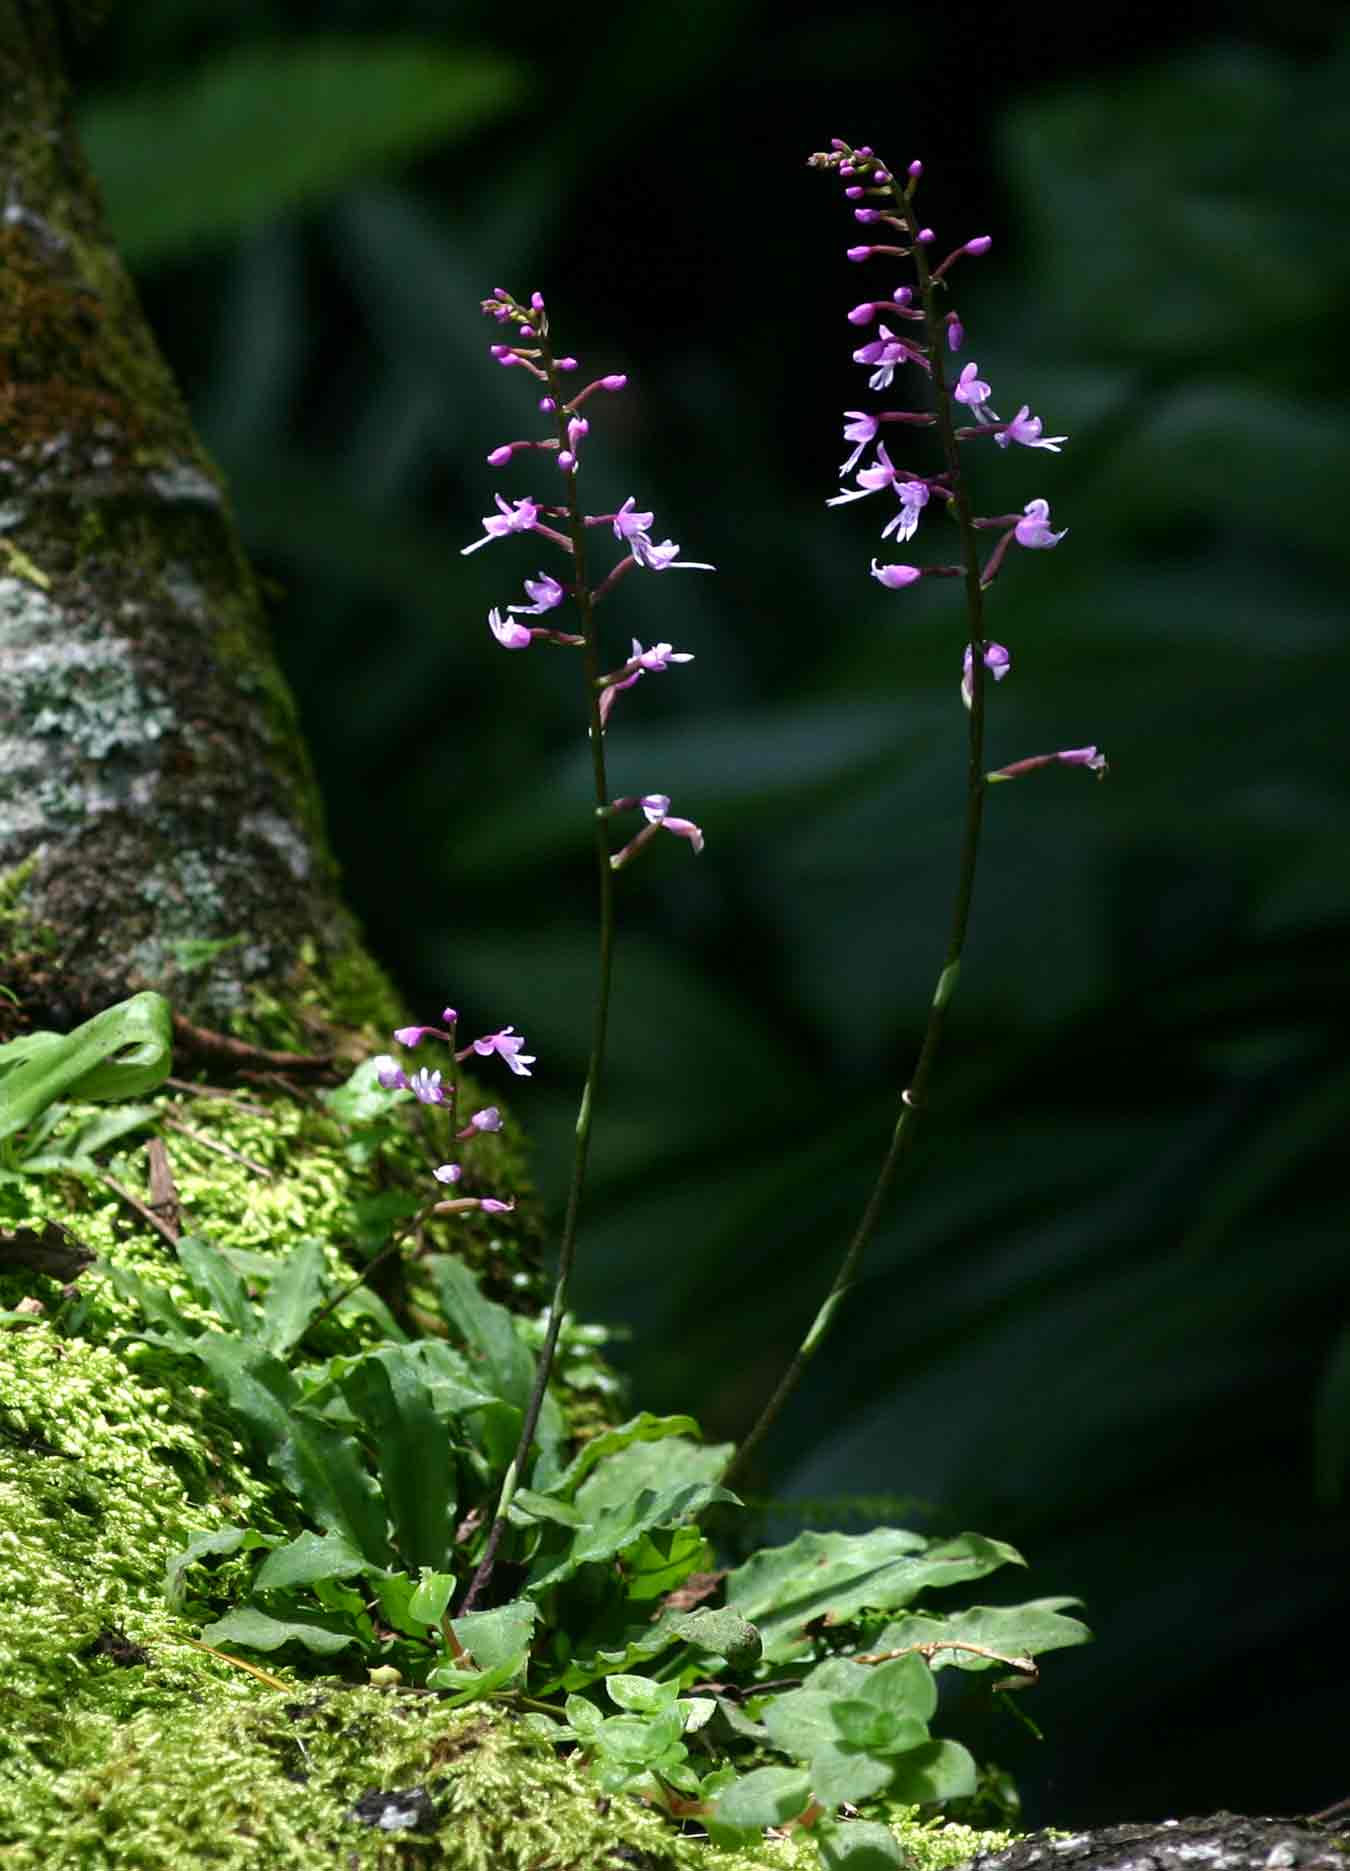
(215, 1281)
(264, 129)
(861, 1724)
(767, 1797)
(723, 1633)
(324, 1470)
(257, 1631)
(857, 1845)
(207, 1545)
(619, 1477)
(662, 1560)
(395, 1592)
(294, 1295)
(495, 1638)
(123, 1052)
(433, 1594)
(499, 1358)
(473, 1685)
(1011, 1630)
(902, 1687)
(595, 1659)
(528, 1506)
(308, 1558)
(413, 1453)
(641, 1428)
(156, 1302)
(939, 1770)
(834, 1575)
(840, 1772)
(642, 1694)
(620, 1525)
(257, 1386)
(584, 1719)
(639, 1739)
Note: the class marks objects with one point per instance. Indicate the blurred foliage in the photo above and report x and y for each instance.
(1107, 1318)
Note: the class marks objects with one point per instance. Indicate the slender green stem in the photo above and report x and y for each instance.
(576, 529)
(912, 1098)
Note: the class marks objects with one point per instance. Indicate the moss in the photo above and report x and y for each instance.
(121, 1743)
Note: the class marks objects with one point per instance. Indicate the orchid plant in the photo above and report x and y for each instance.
(385, 1449)
(917, 329)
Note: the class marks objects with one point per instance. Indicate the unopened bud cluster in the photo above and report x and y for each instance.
(914, 330)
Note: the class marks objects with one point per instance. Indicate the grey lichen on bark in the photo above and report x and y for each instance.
(159, 821)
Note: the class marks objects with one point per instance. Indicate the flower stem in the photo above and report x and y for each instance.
(912, 1098)
(585, 602)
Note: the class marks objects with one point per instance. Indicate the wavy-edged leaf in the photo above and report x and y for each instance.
(414, 1453)
(620, 1524)
(216, 1282)
(294, 1295)
(1010, 1630)
(833, 1575)
(644, 1427)
(257, 1630)
(308, 1558)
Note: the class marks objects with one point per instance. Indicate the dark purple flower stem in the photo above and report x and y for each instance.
(912, 1098)
(585, 602)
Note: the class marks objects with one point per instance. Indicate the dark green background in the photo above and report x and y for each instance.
(1107, 1319)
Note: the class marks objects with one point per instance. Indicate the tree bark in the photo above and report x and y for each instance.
(159, 821)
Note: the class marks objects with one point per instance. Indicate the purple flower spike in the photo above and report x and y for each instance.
(618, 381)
(507, 1045)
(510, 634)
(1034, 530)
(915, 170)
(866, 215)
(1083, 757)
(896, 577)
(500, 456)
(450, 1016)
(427, 1089)
(956, 332)
(489, 1118)
(859, 253)
(981, 244)
(390, 1074)
(448, 1172)
(491, 1206)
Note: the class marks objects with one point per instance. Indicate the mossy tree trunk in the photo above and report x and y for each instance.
(159, 821)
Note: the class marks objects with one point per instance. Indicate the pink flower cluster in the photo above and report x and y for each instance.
(530, 350)
(912, 331)
(430, 1088)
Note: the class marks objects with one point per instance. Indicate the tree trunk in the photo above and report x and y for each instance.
(159, 821)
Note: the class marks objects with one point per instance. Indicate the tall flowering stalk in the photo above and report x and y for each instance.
(564, 525)
(918, 328)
